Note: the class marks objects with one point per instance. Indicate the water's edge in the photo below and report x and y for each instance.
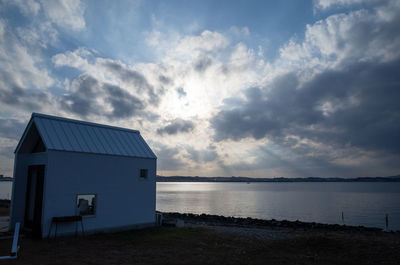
(209, 219)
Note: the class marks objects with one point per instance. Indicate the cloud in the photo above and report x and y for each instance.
(11, 128)
(218, 69)
(10, 132)
(20, 66)
(7, 152)
(112, 72)
(14, 96)
(131, 77)
(24, 80)
(165, 80)
(202, 63)
(341, 39)
(123, 104)
(181, 92)
(168, 157)
(171, 45)
(38, 34)
(77, 59)
(7, 147)
(68, 14)
(202, 155)
(325, 4)
(363, 112)
(242, 56)
(327, 103)
(27, 7)
(82, 99)
(240, 31)
(2, 29)
(205, 42)
(176, 126)
(89, 96)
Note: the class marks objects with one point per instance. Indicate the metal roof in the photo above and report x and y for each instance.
(64, 134)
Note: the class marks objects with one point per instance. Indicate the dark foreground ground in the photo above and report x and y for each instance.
(202, 243)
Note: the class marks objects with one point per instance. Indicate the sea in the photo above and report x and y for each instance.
(361, 203)
(350, 203)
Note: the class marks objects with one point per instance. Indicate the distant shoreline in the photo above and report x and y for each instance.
(250, 180)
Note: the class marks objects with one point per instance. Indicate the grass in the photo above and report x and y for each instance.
(205, 246)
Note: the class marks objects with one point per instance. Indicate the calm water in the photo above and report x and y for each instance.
(362, 203)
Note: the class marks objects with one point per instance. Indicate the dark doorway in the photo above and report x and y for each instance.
(34, 200)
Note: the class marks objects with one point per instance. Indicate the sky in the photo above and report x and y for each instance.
(296, 88)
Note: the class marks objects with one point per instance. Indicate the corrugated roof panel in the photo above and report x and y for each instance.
(132, 143)
(79, 136)
(130, 147)
(87, 145)
(60, 135)
(93, 136)
(81, 141)
(49, 130)
(133, 147)
(142, 146)
(117, 148)
(88, 138)
(105, 141)
(132, 139)
(71, 137)
(43, 132)
(121, 141)
(149, 152)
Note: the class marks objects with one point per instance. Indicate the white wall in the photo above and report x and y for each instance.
(123, 199)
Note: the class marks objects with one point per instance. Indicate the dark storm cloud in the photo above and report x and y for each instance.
(84, 100)
(137, 79)
(202, 63)
(167, 158)
(7, 151)
(202, 155)
(123, 104)
(10, 92)
(361, 109)
(176, 126)
(11, 128)
(13, 95)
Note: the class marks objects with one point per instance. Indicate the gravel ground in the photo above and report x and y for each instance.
(258, 233)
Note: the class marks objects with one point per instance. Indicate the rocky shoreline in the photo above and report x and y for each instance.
(170, 218)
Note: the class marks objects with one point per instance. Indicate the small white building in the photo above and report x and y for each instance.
(66, 167)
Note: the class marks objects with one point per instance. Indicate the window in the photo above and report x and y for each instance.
(86, 204)
(143, 173)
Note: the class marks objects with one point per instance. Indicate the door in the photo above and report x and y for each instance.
(34, 200)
